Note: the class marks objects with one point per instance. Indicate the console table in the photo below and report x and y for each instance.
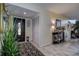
(58, 37)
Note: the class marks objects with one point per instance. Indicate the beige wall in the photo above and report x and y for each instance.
(10, 20)
(1, 17)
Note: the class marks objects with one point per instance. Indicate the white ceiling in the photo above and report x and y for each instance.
(19, 11)
(67, 9)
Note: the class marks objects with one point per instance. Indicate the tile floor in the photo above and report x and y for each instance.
(70, 48)
(27, 49)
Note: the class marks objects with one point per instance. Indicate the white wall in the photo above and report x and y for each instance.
(44, 35)
(35, 30)
(28, 30)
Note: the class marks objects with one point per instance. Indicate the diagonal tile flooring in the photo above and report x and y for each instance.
(70, 48)
(27, 49)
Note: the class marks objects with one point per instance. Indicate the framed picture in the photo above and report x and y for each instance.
(58, 23)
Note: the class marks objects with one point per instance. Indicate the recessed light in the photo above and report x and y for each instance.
(25, 13)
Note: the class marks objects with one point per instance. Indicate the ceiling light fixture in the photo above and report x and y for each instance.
(53, 21)
(25, 13)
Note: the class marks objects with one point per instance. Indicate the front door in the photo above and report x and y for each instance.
(19, 27)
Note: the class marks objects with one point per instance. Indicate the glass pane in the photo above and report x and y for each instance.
(19, 28)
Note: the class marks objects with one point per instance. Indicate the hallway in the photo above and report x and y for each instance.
(70, 48)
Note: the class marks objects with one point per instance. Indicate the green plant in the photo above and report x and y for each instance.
(9, 46)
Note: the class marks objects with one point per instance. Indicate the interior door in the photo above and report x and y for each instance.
(19, 27)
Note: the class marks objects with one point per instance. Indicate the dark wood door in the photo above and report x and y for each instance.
(19, 27)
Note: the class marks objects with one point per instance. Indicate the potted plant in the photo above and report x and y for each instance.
(9, 46)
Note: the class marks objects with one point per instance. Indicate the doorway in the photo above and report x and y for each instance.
(19, 28)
